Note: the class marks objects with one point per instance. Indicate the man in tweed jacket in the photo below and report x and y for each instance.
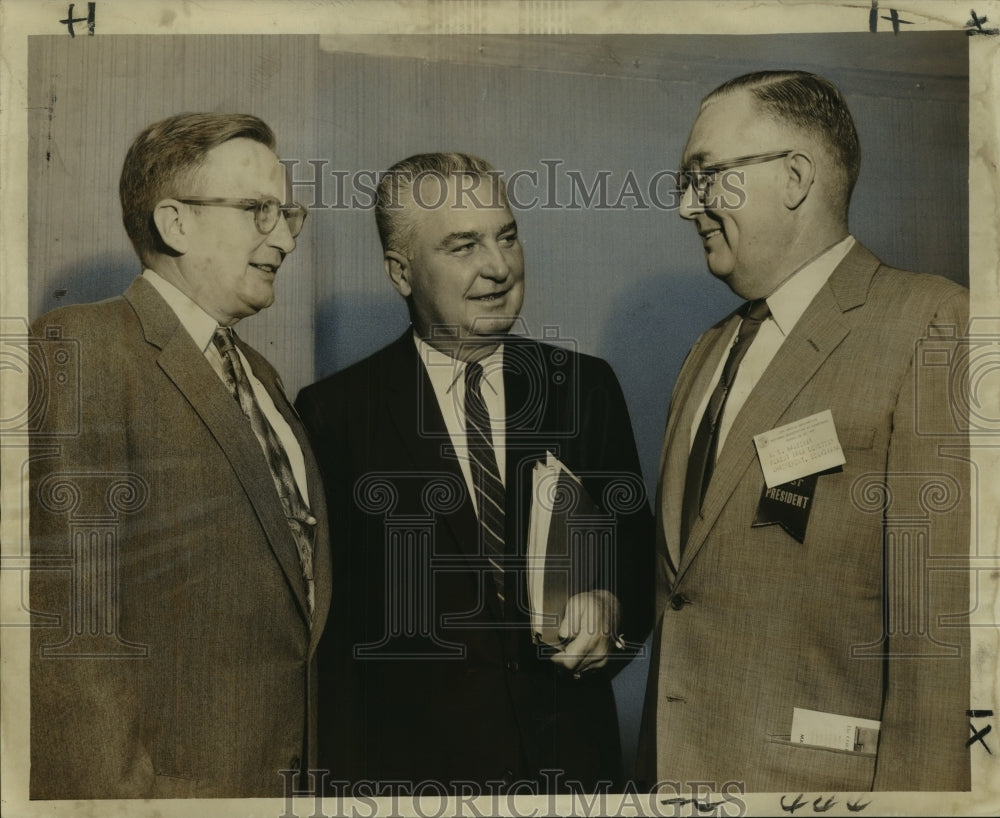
(849, 602)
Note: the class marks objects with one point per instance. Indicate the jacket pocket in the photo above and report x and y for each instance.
(805, 767)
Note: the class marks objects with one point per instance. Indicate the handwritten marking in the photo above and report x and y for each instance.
(708, 806)
(796, 804)
(896, 20)
(90, 19)
(819, 805)
(977, 735)
(975, 25)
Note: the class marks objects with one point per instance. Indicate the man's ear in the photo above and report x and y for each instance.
(168, 216)
(397, 267)
(801, 175)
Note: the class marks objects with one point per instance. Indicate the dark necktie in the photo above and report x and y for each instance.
(701, 462)
(486, 483)
(300, 519)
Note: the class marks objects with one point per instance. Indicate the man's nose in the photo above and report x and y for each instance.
(691, 204)
(496, 265)
(281, 237)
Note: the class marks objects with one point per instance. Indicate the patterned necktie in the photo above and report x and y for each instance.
(489, 491)
(701, 462)
(300, 519)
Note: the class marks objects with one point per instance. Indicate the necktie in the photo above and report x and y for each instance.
(487, 486)
(300, 519)
(701, 462)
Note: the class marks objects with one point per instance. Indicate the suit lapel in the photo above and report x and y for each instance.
(692, 384)
(186, 367)
(820, 330)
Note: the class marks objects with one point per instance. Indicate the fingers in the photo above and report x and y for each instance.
(586, 631)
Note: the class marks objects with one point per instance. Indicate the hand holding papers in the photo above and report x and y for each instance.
(587, 631)
(570, 567)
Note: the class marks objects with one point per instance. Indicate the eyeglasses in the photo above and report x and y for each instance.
(701, 179)
(265, 211)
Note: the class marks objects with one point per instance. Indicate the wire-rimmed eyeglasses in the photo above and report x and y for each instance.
(265, 211)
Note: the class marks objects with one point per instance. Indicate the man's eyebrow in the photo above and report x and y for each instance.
(463, 235)
(475, 235)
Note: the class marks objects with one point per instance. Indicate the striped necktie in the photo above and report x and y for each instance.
(487, 486)
(704, 450)
(300, 518)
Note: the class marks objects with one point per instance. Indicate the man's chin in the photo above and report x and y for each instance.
(740, 286)
(492, 327)
(262, 302)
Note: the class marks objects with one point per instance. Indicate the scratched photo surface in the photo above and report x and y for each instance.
(588, 129)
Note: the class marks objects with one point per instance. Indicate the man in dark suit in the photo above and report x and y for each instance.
(180, 569)
(427, 449)
(812, 631)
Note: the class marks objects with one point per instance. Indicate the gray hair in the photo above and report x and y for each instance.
(395, 229)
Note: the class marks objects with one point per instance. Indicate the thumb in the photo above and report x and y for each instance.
(570, 625)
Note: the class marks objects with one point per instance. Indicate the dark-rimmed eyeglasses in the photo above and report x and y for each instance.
(701, 179)
(266, 211)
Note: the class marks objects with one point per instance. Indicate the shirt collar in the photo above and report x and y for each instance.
(789, 301)
(199, 324)
(445, 371)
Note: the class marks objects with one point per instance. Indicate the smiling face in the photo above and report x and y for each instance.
(228, 266)
(462, 272)
(743, 245)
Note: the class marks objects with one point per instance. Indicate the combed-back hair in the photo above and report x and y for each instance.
(395, 188)
(163, 159)
(811, 103)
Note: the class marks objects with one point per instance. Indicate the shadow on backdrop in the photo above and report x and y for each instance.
(95, 279)
(662, 315)
(349, 329)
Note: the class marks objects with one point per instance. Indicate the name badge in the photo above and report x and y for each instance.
(799, 449)
(788, 505)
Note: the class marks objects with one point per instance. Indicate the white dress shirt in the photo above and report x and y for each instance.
(787, 303)
(447, 376)
(201, 327)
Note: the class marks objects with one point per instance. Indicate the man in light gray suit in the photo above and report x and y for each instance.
(812, 585)
(180, 557)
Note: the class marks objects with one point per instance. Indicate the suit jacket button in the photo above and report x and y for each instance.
(678, 601)
(508, 777)
(513, 666)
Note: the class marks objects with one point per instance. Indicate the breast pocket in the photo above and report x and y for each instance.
(806, 767)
